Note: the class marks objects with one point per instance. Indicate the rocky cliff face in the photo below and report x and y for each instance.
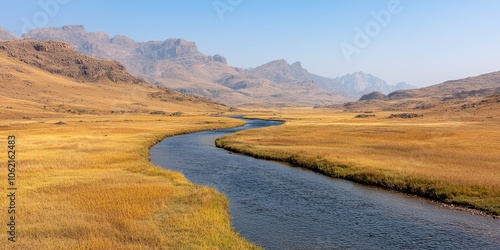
(61, 59)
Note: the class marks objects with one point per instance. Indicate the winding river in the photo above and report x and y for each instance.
(282, 207)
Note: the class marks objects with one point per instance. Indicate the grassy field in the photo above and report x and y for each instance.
(445, 157)
(89, 184)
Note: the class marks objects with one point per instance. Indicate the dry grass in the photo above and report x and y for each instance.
(447, 158)
(90, 185)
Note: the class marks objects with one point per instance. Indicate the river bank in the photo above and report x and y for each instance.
(93, 174)
(281, 207)
(435, 160)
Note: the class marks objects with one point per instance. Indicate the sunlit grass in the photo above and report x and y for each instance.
(90, 185)
(452, 161)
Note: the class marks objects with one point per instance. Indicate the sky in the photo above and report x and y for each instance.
(421, 42)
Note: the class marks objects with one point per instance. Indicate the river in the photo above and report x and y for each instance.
(282, 207)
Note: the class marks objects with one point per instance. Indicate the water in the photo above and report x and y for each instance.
(282, 207)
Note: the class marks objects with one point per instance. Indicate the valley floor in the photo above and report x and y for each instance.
(88, 184)
(446, 157)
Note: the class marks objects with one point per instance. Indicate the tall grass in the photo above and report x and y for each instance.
(90, 185)
(456, 162)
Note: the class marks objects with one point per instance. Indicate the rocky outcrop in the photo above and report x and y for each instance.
(373, 96)
(404, 116)
(220, 58)
(365, 116)
(401, 94)
(60, 58)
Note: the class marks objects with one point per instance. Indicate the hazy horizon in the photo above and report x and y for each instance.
(418, 42)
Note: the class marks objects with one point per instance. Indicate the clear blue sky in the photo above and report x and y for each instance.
(424, 42)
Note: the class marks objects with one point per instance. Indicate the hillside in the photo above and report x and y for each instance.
(469, 94)
(485, 81)
(42, 79)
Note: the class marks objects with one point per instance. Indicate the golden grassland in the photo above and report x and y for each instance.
(89, 184)
(447, 157)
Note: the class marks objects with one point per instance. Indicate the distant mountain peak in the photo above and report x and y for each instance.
(170, 48)
(6, 35)
(404, 85)
(364, 83)
(281, 62)
(358, 74)
(281, 72)
(220, 58)
(74, 28)
(297, 65)
(122, 40)
(179, 42)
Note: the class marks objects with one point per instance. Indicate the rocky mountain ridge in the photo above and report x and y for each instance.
(61, 59)
(178, 64)
(49, 78)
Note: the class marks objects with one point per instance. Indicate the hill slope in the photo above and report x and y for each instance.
(41, 79)
(479, 93)
(485, 81)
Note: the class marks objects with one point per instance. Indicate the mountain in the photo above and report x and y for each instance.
(485, 81)
(403, 86)
(43, 79)
(178, 64)
(360, 83)
(351, 85)
(280, 71)
(6, 35)
(479, 91)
